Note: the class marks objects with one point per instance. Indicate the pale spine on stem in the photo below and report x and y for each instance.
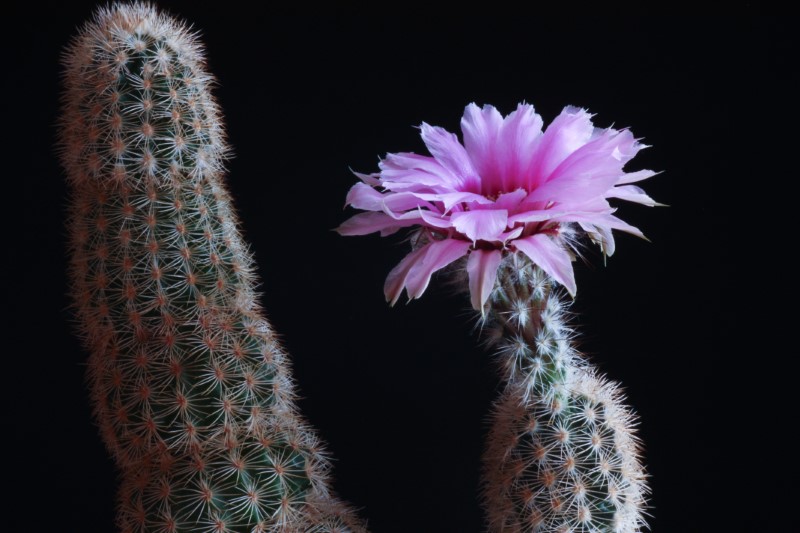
(562, 455)
(190, 388)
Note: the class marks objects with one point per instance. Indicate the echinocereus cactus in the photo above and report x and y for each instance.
(508, 208)
(190, 388)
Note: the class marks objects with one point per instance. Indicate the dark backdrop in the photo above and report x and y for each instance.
(400, 394)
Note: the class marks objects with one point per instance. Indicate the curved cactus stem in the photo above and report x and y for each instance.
(190, 388)
(561, 455)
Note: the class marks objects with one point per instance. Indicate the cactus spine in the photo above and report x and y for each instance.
(561, 455)
(190, 388)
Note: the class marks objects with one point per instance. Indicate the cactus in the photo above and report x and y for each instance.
(190, 388)
(561, 456)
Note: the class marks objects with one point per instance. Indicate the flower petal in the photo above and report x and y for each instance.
(551, 257)
(396, 280)
(631, 193)
(535, 216)
(362, 196)
(606, 153)
(450, 199)
(481, 129)
(569, 131)
(395, 204)
(482, 270)
(589, 172)
(510, 200)
(415, 172)
(484, 224)
(613, 222)
(501, 149)
(511, 234)
(602, 226)
(365, 223)
(519, 136)
(439, 254)
(541, 215)
(435, 220)
(446, 149)
(370, 179)
(602, 236)
(584, 217)
(633, 177)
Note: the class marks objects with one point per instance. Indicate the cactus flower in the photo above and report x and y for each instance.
(510, 186)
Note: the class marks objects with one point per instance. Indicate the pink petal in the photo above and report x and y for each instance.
(435, 220)
(604, 235)
(633, 177)
(538, 215)
(486, 224)
(586, 217)
(631, 193)
(501, 149)
(510, 200)
(482, 270)
(521, 132)
(573, 190)
(409, 170)
(588, 172)
(365, 223)
(481, 129)
(550, 257)
(362, 196)
(444, 146)
(613, 222)
(511, 234)
(369, 179)
(452, 198)
(602, 226)
(439, 254)
(607, 152)
(603, 223)
(569, 131)
(396, 279)
(604, 155)
(395, 203)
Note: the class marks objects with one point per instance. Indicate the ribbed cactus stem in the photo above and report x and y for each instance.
(190, 388)
(526, 322)
(561, 456)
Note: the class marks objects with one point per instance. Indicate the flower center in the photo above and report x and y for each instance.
(495, 195)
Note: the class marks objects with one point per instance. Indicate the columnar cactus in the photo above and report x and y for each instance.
(514, 199)
(192, 392)
(561, 455)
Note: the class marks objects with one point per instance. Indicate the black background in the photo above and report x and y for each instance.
(400, 394)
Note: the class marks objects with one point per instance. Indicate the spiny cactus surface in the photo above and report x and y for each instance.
(561, 454)
(191, 391)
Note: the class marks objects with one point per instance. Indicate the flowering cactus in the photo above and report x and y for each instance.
(190, 388)
(507, 208)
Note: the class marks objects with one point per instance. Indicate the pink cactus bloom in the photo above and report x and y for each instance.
(510, 187)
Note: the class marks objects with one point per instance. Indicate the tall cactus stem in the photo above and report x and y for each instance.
(190, 388)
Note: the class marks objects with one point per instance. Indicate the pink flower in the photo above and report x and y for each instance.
(510, 187)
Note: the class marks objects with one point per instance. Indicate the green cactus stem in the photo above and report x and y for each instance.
(190, 389)
(561, 455)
